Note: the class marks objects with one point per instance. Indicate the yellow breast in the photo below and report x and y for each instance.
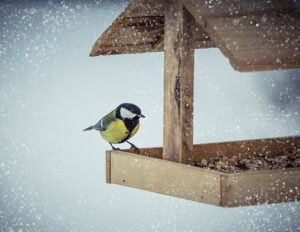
(117, 132)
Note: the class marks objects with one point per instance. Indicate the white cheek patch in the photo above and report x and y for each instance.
(126, 113)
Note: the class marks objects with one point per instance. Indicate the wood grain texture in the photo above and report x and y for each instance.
(139, 34)
(165, 177)
(178, 83)
(225, 8)
(253, 35)
(260, 187)
(264, 42)
(148, 171)
(140, 8)
(200, 10)
(108, 166)
(268, 146)
(138, 29)
(154, 152)
(247, 148)
(235, 8)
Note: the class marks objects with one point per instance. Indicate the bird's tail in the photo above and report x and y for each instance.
(89, 128)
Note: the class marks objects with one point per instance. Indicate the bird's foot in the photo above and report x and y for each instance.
(134, 147)
(115, 148)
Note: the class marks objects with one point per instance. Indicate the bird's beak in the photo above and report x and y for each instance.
(141, 116)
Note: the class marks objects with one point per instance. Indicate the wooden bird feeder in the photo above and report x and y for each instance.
(253, 35)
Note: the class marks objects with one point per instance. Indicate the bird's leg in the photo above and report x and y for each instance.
(134, 147)
(114, 148)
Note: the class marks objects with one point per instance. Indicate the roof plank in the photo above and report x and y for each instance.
(270, 41)
(140, 8)
(234, 8)
(253, 34)
(128, 35)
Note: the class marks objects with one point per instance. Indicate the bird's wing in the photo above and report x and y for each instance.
(99, 125)
(104, 122)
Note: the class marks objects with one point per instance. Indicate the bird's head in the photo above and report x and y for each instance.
(128, 111)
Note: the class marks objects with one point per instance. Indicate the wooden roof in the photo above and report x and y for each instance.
(253, 34)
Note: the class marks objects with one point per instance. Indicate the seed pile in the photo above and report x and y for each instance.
(289, 159)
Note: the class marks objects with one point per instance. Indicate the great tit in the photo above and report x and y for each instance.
(119, 125)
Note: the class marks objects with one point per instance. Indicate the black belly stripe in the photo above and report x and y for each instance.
(126, 138)
(130, 125)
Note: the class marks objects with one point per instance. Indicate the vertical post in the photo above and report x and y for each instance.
(178, 82)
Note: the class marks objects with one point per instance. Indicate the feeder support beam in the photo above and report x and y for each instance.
(178, 82)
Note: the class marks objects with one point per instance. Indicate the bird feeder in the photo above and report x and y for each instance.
(254, 35)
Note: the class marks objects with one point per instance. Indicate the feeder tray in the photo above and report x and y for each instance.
(253, 35)
(148, 171)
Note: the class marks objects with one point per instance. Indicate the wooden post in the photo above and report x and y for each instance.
(178, 82)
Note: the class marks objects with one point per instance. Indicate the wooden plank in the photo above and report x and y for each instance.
(165, 177)
(201, 40)
(254, 35)
(113, 39)
(225, 8)
(154, 152)
(128, 35)
(270, 147)
(260, 187)
(266, 42)
(108, 167)
(138, 35)
(106, 35)
(234, 8)
(178, 83)
(139, 8)
(197, 10)
(208, 186)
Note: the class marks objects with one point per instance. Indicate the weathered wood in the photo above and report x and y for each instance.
(196, 9)
(165, 177)
(153, 152)
(254, 35)
(139, 34)
(235, 8)
(260, 187)
(202, 185)
(148, 171)
(178, 83)
(108, 166)
(270, 147)
(265, 42)
(139, 8)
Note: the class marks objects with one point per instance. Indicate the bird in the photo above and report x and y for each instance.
(119, 125)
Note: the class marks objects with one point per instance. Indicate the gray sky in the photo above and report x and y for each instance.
(52, 175)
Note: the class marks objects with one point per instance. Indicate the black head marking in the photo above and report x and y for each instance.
(130, 123)
(130, 107)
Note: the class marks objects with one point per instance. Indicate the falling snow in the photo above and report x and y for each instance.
(52, 177)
